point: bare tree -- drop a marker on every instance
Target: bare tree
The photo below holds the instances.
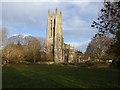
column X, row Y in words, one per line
column 98, row 46
column 13, row 53
column 34, row 47
column 3, row 36
column 21, row 48
column 18, row 39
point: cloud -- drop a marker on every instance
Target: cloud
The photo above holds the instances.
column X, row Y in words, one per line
column 52, row 1
column 31, row 17
column 18, row 13
column 80, row 45
column 77, row 27
column 21, row 12
column 14, row 34
column 24, row 35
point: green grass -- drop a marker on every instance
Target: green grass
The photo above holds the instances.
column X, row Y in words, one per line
column 44, row 76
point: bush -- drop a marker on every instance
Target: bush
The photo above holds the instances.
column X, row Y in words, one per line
column 115, row 64
column 24, row 62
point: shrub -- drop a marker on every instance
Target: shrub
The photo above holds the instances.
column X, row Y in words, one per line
column 115, row 64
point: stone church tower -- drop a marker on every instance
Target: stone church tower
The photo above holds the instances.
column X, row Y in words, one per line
column 54, row 39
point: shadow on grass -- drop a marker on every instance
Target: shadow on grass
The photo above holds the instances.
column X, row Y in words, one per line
column 35, row 76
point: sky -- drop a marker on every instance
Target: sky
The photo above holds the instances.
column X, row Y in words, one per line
column 30, row 18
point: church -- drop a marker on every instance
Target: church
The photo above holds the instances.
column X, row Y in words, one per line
column 55, row 46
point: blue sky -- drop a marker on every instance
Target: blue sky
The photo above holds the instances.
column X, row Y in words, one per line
column 30, row 18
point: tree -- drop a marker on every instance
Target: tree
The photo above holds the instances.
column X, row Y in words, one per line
column 98, row 46
column 13, row 53
column 3, row 40
column 34, row 47
column 18, row 39
column 3, row 36
column 78, row 52
column 109, row 18
column 109, row 22
column 115, row 47
column 21, row 48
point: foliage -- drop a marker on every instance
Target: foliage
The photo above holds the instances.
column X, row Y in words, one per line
column 21, row 48
column 108, row 22
column 78, row 52
column 49, row 56
column 109, row 19
column 115, row 64
column 13, row 53
column 117, row 45
column 34, row 47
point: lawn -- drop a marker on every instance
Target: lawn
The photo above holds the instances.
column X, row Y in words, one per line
column 56, row 76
